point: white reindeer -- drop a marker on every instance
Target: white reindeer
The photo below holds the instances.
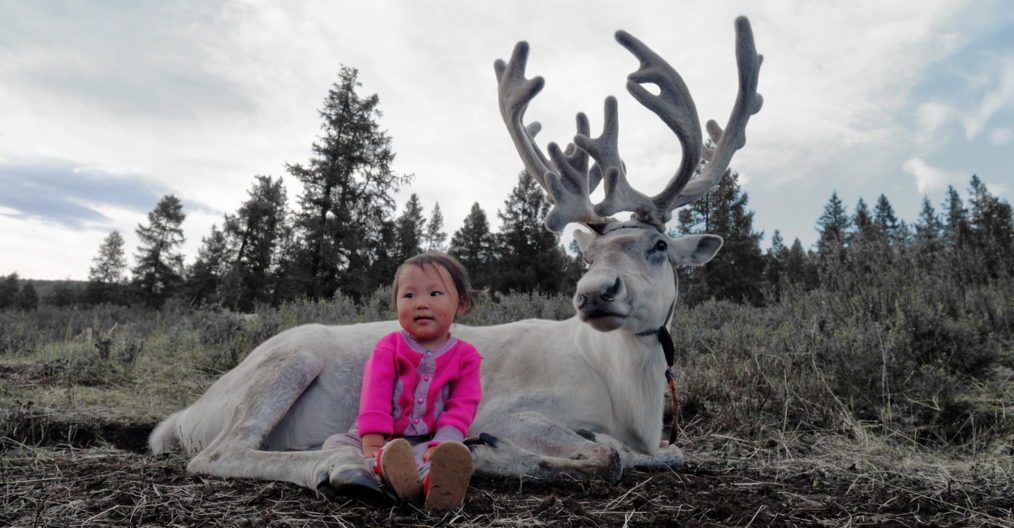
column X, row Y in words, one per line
column 581, row 397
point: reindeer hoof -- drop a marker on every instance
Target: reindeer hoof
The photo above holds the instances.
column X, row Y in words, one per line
column 673, row 457
column 614, row 470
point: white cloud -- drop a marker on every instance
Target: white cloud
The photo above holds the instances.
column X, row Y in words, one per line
column 835, row 79
column 1001, row 136
column 932, row 117
column 999, row 95
column 927, row 177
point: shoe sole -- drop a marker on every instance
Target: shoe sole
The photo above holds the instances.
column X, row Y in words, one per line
column 397, row 464
column 450, row 472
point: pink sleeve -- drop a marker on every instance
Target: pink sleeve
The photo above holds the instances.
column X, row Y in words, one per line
column 462, row 403
column 378, row 388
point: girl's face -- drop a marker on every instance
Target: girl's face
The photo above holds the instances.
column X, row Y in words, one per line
column 427, row 303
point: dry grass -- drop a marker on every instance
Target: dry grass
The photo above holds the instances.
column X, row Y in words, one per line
column 728, row 482
column 773, row 431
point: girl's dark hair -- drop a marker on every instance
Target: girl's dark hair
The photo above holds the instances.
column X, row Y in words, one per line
column 466, row 295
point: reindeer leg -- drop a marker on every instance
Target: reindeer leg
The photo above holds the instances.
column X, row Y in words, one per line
column 236, row 451
column 529, row 444
column 669, row 457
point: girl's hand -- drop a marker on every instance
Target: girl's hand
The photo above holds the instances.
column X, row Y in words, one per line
column 428, row 454
column 372, row 442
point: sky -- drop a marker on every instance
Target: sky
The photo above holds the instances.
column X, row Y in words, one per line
column 106, row 106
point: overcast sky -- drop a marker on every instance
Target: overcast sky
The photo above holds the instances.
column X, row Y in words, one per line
column 107, row 106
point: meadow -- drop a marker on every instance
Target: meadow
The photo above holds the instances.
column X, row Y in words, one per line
column 886, row 406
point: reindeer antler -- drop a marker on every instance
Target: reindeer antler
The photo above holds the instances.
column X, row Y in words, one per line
column 566, row 177
column 748, row 103
column 567, row 180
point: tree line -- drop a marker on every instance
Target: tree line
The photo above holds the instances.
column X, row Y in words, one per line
column 343, row 237
column 969, row 242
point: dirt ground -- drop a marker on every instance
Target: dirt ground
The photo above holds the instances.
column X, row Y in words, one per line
column 73, row 471
column 117, row 485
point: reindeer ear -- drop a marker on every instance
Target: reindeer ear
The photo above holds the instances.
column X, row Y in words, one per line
column 584, row 240
column 694, row 250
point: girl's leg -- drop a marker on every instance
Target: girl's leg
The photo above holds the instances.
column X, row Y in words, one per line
column 450, row 471
column 419, row 448
column 343, row 439
column 395, row 464
column 396, row 467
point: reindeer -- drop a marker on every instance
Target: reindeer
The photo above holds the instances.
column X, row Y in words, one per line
column 581, row 397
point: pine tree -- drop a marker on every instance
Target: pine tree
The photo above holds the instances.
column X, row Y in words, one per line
column 107, row 275
column 869, row 251
column 530, row 257
column 110, row 263
column 928, row 228
column 774, row 263
column 8, row 290
column 799, row 268
column 435, row 235
column 159, row 262
column 862, row 222
column 253, row 234
column 347, row 195
column 883, row 215
column 956, row 225
column 738, row 272
column 64, row 293
column 288, row 276
column 472, row 245
column 833, row 226
column 991, row 230
column 207, row 274
column 411, row 230
column 27, row 299
column 385, row 255
column 696, row 217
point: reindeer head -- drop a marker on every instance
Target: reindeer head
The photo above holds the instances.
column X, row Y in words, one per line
column 628, row 284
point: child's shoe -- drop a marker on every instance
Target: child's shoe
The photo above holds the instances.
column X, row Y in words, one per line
column 447, row 482
column 396, row 468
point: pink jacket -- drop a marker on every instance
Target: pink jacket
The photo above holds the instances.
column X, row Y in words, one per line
column 411, row 391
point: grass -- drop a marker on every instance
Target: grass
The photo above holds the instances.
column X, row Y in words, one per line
column 890, row 404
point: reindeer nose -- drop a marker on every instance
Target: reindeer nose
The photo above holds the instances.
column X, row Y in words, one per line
column 604, row 295
column 608, row 295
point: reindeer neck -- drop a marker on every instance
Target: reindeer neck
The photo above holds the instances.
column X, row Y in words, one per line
column 635, row 375
column 639, row 356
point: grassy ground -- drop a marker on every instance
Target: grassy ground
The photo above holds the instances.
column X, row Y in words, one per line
column 793, row 416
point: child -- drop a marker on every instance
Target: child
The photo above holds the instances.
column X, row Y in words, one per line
column 421, row 388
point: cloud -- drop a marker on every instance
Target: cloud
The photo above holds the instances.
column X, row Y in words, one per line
column 975, row 93
column 1001, row 136
column 927, row 177
column 114, row 57
column 197, row 98
column 72, row 197
column 998, row 96
column 932, row 117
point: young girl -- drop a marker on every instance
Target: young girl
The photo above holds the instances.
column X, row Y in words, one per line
column 421, row 388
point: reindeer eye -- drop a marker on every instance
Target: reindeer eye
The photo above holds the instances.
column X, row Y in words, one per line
column 660, row 246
